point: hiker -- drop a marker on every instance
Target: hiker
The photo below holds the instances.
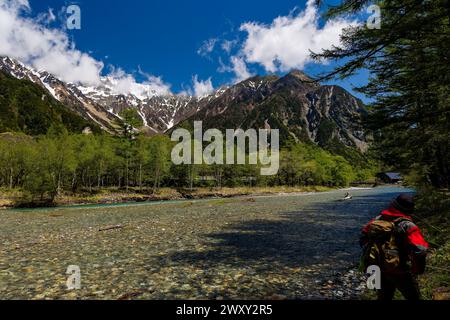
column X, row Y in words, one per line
column 394, row 243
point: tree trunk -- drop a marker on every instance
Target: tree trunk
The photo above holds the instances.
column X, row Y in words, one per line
column 191, row 177
column 155, row 183
column 99, row 179
column 11, row 173
column 74, row 179
column 58, row 188
column 140, row 177
column 126, row 176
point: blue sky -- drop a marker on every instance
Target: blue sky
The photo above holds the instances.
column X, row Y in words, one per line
column 163, row 37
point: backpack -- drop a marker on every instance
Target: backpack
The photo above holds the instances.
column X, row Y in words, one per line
column 382, row 248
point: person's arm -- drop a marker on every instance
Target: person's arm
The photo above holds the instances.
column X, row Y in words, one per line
column 417, row 245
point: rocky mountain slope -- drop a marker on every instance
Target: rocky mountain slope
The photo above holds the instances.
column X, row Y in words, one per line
column 102, row 105
column 301, row 109
column 27, row 107
column 158, row 112
column 67, row 94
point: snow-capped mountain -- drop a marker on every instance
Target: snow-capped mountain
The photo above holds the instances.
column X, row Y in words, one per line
column 300, row 108
column 68, row 94
column 159, row 112
column 103, row 105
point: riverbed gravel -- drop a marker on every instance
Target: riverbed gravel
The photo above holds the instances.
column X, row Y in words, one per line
column 274, row 247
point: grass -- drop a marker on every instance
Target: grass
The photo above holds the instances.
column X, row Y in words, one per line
column 436, row 282
column 434, row 219
column 7, row 196
column 435, row 223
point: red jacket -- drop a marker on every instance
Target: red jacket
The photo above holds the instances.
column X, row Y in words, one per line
column 413, row 241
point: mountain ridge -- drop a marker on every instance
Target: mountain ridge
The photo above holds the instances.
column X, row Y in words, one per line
column 29, row 108
column 302, row 109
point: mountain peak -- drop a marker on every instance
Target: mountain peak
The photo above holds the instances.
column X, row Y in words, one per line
column 302, row 76
column 294, row 102
column 302, row 109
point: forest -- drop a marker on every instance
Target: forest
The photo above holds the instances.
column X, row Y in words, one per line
column 46, row 166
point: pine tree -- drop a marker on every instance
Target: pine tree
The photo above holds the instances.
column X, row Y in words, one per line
column 408, row 60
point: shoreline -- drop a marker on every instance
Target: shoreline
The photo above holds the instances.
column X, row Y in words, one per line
column 109, row 197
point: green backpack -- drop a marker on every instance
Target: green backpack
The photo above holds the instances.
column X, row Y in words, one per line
column 382, row 248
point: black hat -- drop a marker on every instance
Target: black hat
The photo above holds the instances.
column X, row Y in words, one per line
column 404, row 203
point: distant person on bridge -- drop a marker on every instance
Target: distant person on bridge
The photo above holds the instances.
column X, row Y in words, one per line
column 394, row 243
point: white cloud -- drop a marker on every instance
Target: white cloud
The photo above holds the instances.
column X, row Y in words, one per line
column 286, row 43
column 46, row 17
column 34, row 43
column 238, row 67
column 16, row 4
column 207, row 47
column 123, row 83
column 202, row 88
column 223, row 67
column 228, row 45
column 43, row 48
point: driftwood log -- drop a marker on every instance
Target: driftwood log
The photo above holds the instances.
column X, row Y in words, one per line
column 111, row 228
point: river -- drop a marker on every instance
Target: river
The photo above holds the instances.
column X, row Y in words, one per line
column 270, row 247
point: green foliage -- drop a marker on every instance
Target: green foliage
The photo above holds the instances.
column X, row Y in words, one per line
column 433, row 216
column 46, row 166
column 410, row 76
column 433, row 212
column 132, row 117
column 305, row 164
column 409, row 118
column 26, row 107
column 15, row 159
column 325, row 132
